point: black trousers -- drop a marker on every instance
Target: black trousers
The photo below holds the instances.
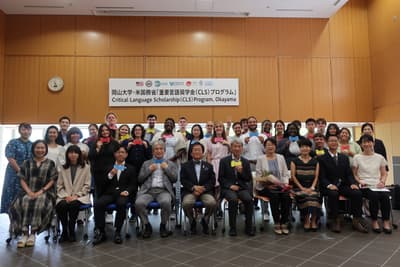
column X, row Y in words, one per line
column 354, row 195
column 100, row 208
column 377, row 199
column 280, row 203
column 68, row 213
column 232, row 198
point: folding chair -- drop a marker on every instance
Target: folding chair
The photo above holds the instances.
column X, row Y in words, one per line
column 198, row 205
column 139, row 225
column 112, row 207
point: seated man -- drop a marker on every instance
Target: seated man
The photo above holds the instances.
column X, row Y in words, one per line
column 198, row 180
column 120, row 184
column 235, row 177
column 336, row 178
column 156, row 178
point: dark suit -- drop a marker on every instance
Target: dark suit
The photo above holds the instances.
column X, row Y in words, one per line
column 228, row 176
column 113, row 187
column 60, row 139
column 189, row 180
column 340, row 175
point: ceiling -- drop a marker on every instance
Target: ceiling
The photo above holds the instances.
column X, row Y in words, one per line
column 187, row 8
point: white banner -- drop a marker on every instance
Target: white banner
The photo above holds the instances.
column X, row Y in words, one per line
column 173, row 92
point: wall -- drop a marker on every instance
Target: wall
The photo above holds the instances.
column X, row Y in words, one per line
column 2, row 48
column 288, row 68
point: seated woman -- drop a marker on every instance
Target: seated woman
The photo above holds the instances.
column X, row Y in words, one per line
column 275, row 189
column 305, row 170
column 369, row 170
column 33, row 207
column 73, row 186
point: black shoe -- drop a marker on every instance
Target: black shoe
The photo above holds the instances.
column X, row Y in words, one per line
column 376, row 230
column 148, row 230
column 193, row 227
column 232, row 232
column 387, row 230
column 250, row 231
column 204, row 224
column 72, row 237
column 219, row 214
column 163, row 230
column 64, row 237
column 360, row 225
column 117, row 238
column 99, row 237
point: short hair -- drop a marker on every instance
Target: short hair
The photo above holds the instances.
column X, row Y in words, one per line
column 297, row 123
column 236, row 141
column 72, row 131
column 367, row 124
column 111, row 113
column 321, row 120
column 77, row 150
column 329, row 136
column 310, row 120
column 34, row 144
column 64, row 118
column 158, row 143
column 25, row 125
column 251, row 117
column 272, row 140
column 279, row 121
column 201, row 130
column 236, row 123
column 118, row 146
column 46, row 136
column 345, row 129
column 197, row 144
column 242, row 121
column 366, row 138
column 170, row 119
column 316, row 135
column 94, row 125
column 182, row 118
column 304, row 142
column 152, row 116
column 286, row 134
column 133, row 130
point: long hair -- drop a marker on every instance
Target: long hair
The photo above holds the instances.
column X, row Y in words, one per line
column 46, row 136
column 214, row 132
column 77, row 150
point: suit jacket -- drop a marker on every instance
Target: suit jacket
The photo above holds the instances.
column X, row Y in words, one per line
column 80, row 187
column 170, row 176
column 228, row 177
column 189, row 178
column 127, row 182
column 60, row 140
column 330, row 173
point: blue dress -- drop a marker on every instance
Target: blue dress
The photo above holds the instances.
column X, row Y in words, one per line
column 20, row 151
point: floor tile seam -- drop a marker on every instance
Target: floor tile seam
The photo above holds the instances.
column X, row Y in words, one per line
column 391, row 256
column 358, row 252
column 322, row 251
column 30, row 258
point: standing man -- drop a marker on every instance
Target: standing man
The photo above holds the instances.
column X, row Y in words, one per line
column 198, row 180
column 321, row 125
column 336, row 178
column 62, row 134
column 182, row 128
column 234, row 178
column 151, row 128
column 310, row 125
column 209, row 129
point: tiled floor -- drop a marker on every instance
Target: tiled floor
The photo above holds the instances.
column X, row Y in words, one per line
column 265, row 249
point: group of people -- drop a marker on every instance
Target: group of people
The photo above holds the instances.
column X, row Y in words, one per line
column 139, row 165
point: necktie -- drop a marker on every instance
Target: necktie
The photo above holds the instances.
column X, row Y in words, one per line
column 293, row 138
column 235, row 163
column 336, row 159
column 196, row 162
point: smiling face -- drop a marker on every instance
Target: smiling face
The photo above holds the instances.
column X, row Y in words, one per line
column 151, row 122
column 25, row 133
column 279, row 127
column 368, row 130
column 344, row 135
column 39, row 151
column 64, row 125
column 169, row 126
column 270, row 147
column 93, row 131
column 104, row 132
column 75, row 137
column 367, row 146
column 111, row 119
column 197, row 152
column 158, row 151
column 120, row 155
column 123, row 130
column 138, row 131
column 196, row 132
column 52, row 134
column 237, row 129
column 73, row 157
column 252, row 124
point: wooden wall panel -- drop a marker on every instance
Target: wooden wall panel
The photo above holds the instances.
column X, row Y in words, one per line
column 2, row 59
column 261, row 36
column 320, row 41
column 322, row 88
column 294, row 37
column 23, row 35
column 127, row 67
column 344, row 98
column 161, row 67
column 93, row 36
column 341, row 33
column 58, row 35
column 363, row 89
column 194, row 36
column 161, row 36
column 195, row 67
column 229, row 37
column 231, row 67
column 51, row 106
column 127, row 36
column 262, row 88
column 91, row 97
column 21, row 89
column 295, row 85
column 359, row 21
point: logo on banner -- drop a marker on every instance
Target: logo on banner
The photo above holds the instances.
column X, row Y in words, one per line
column 139, row 83
column 208, row 83
column 149, row 83
column 157, row 83
column 188, row 83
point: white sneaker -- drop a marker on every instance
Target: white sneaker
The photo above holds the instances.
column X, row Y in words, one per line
column 109, row 218
column 30, row 242
column 266, row 217
column 22, row 241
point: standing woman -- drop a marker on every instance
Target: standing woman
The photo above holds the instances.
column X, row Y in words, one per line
column 101, row 156
column 93, row 132
column 288, row 146
column 347, row 146
column 123, row 133
column 56, row 152
column 305, row 171
column 74, row 135
column 279, row 130
column 17, row 150
column 369, row 170
column 73, row 186
column 266, row 126
column 33, row 208
column 332, row 129
column 139, row 150
column 197, row 137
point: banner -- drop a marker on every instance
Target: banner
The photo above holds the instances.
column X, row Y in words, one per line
column 173, row 92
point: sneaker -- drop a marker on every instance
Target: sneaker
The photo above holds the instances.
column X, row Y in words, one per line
column 266, row 217
column 109, row 219
column 22, row 241
column 30, row 242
